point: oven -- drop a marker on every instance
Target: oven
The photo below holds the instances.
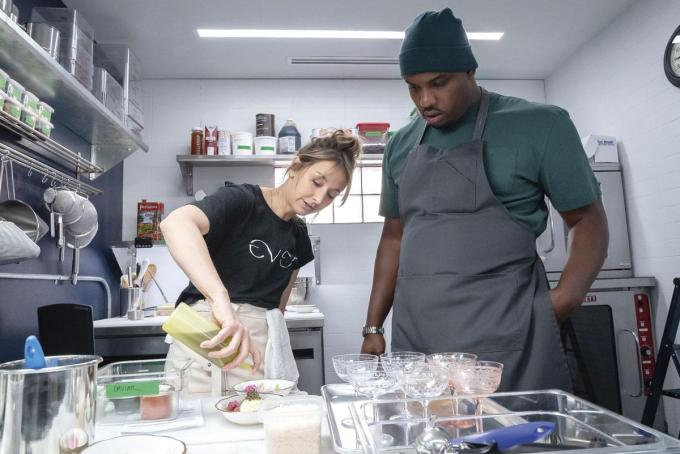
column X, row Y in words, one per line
column 552, row 245
column 609, row 344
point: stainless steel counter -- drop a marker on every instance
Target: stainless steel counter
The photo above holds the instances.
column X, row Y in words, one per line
column 120, row 339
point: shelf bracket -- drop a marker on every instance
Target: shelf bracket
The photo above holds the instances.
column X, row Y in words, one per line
column 188, row 177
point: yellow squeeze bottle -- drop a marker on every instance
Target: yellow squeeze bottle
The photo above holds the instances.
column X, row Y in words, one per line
column 190, row 328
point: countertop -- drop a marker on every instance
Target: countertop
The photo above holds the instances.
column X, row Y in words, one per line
column 293, row 320
column 217, row 435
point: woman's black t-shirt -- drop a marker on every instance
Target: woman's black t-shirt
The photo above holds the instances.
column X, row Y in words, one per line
column 254, row 251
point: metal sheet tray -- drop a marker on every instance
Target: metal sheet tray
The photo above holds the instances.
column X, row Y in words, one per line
column 338, row 399
column 580, row 425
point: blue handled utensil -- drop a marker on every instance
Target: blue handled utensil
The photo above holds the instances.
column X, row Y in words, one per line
column 34, row 358
column 507, row 437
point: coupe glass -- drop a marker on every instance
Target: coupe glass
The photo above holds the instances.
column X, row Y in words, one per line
column 425, row 383
column 452, row 361
column 342, row 362
column 398, row 364
column 482, row 378
column 373, row 382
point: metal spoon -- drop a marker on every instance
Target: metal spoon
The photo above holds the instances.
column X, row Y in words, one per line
column 433, row 439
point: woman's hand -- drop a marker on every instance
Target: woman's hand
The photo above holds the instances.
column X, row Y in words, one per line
column 232, row 326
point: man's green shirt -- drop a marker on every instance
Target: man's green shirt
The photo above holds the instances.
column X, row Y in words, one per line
column 530, row 150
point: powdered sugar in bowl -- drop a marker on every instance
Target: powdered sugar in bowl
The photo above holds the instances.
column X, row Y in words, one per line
column 292, row 424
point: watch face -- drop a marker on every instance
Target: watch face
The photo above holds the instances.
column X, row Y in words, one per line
column 675, row 57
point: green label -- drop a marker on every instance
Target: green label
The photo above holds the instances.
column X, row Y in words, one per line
column 243, row 147
column 267, row 148
column 374, row 134
column 132, row 389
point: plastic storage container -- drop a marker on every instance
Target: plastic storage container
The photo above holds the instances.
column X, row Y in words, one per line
column 137, row 391
column 190, row 328
column 15, row 90
column 265, row 145
column 47, row 36
column 289, row 138
column 126, row 68
column 30, row 101
column 12, row 107
column 242, row 143
column 109, row 92
column 44, row 126
column 29, row 117
column 6, row 7
column 292, row 424
column 76, row 47
column 4, row 78
column 373, row 137
column 45, row 111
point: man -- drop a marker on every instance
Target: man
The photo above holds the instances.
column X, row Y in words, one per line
column 463, row 201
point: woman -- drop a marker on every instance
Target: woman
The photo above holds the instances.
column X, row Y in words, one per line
column 242, row 248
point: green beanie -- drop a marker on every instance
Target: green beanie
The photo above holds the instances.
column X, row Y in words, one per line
column 436, row 42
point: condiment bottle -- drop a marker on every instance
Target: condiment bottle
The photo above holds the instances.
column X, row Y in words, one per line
column 289, row 138
column 197, row 140
column 187, row 326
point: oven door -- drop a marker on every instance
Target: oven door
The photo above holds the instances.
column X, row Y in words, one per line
column 603, row 352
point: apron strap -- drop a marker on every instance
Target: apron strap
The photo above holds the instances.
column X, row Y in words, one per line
column 481, row 115
column 422, row 133
column 479, row 124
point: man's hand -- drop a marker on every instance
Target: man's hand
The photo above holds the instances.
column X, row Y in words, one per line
column 374, row 344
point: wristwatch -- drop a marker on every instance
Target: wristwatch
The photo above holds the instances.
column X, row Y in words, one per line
column 372, row 330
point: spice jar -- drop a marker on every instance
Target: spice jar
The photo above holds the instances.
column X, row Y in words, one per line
column 197, row 140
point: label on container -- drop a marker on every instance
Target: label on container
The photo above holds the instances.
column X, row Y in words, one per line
column 132, row 389
column 374, row 134
column 287, row 145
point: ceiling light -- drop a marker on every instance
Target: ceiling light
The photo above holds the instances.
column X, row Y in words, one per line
column 323, row 34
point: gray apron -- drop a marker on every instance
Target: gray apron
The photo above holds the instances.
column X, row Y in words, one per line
column 469, row 277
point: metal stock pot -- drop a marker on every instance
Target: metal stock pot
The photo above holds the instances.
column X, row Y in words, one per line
column 43, row 410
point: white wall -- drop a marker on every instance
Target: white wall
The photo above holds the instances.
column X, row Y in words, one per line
column 173, row 107
column 616, row 86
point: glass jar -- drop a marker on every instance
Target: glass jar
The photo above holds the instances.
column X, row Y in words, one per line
column 197, row 141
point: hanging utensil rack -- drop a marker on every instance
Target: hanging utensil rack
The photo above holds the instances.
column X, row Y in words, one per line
column 77, row 162
column 48, row 172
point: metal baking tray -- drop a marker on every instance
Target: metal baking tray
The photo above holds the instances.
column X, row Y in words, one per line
column 579, row 425
column 338, row 398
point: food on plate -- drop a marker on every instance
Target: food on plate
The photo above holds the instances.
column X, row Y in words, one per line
column 251, row 403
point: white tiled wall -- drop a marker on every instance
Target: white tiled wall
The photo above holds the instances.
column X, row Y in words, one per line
column 616, row 86
column 173, row 107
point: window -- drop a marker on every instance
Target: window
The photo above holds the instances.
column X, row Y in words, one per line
column 361, row 205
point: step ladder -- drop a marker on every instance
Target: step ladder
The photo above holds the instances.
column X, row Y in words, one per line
column 667, row 350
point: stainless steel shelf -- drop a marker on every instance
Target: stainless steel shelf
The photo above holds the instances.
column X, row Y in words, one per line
column 71, row 159
column 188, row 162
column 75, row 107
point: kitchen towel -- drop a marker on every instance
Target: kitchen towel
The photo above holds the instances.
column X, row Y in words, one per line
column 279, row 360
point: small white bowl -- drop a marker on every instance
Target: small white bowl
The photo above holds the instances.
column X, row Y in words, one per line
column 238, row 417
column 280, row 387
column 149, row 444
